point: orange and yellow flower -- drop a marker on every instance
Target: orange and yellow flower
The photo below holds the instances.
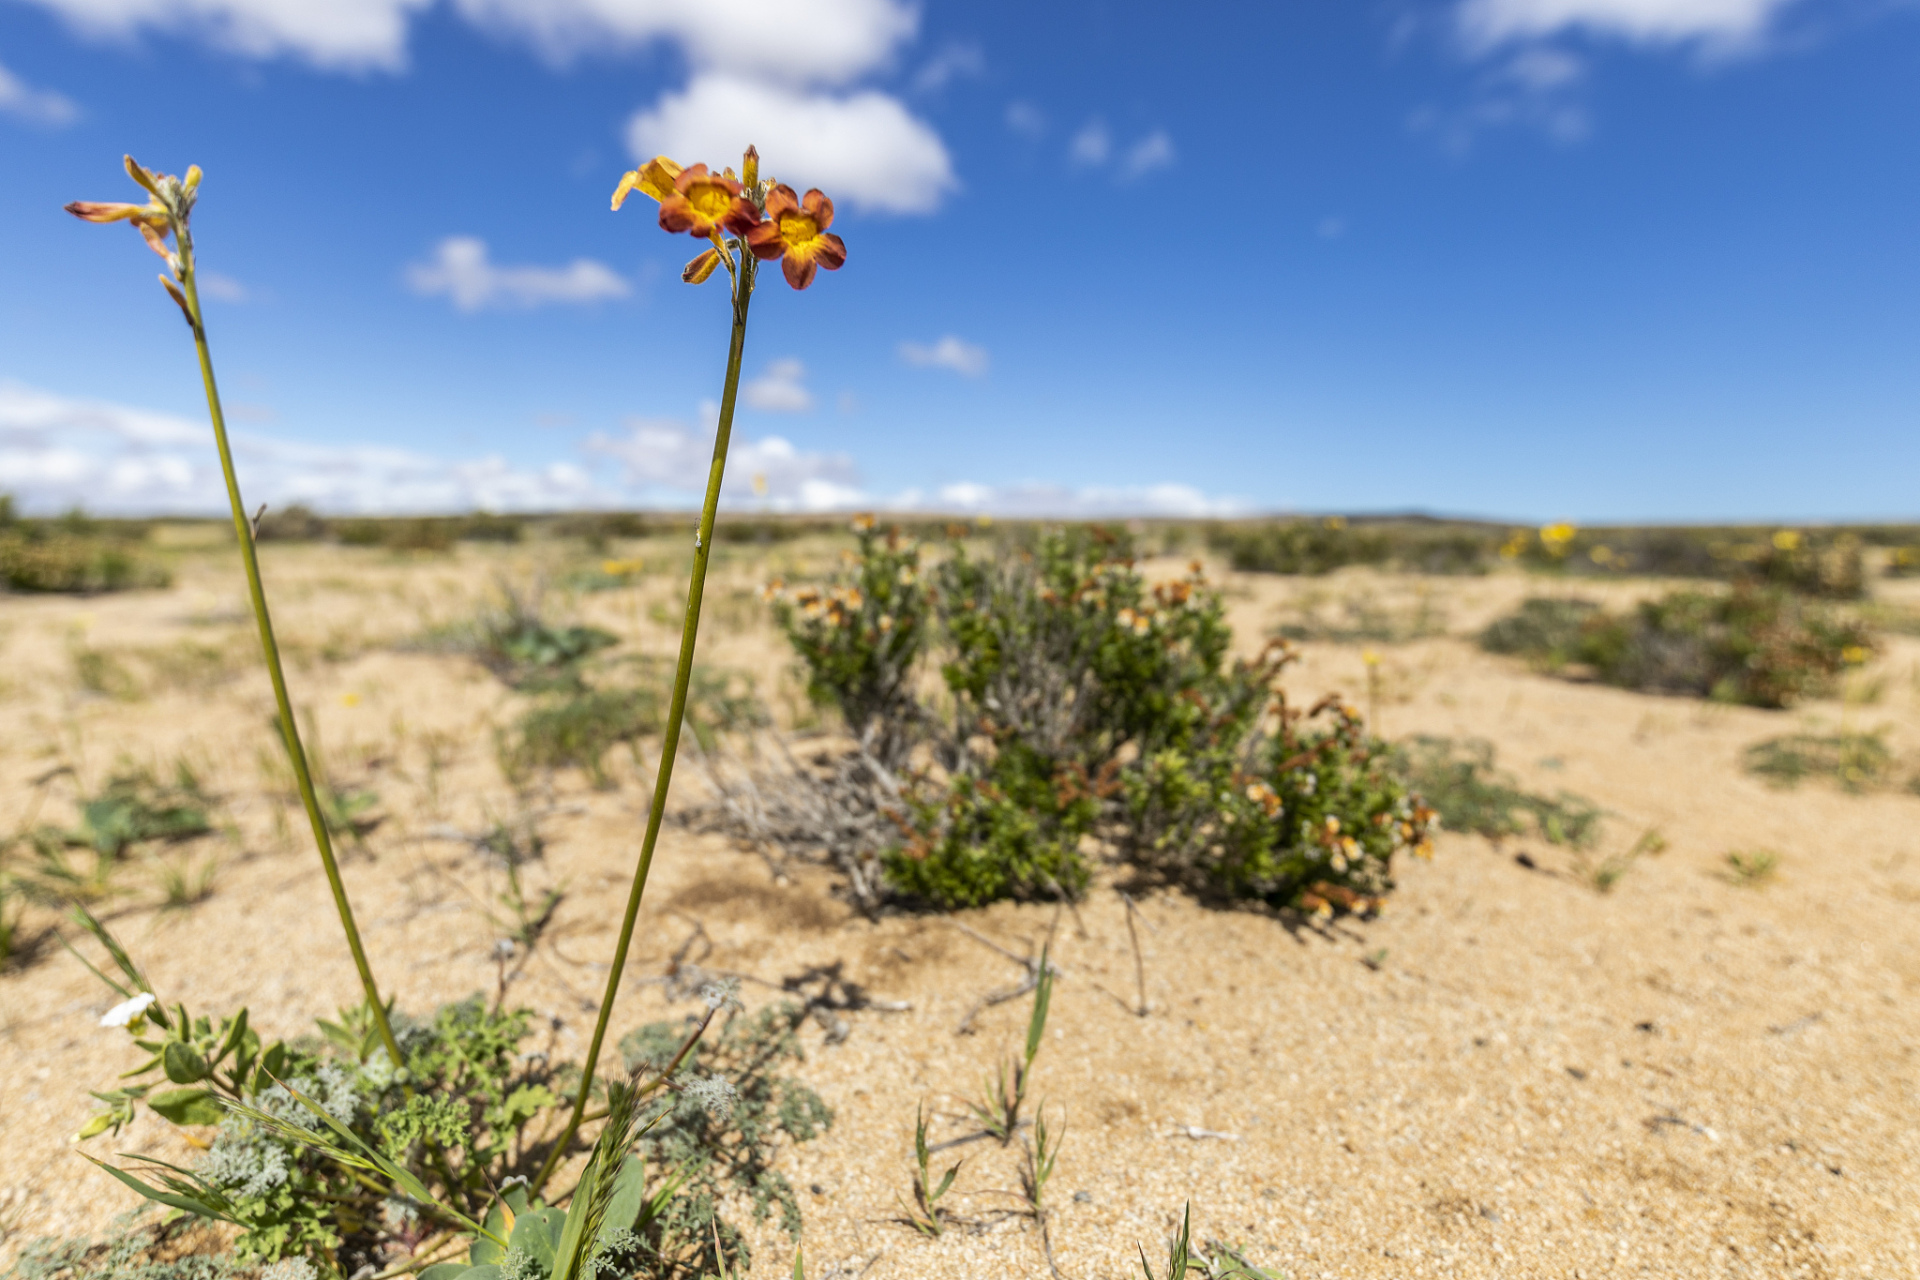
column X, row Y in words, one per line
column 795, row 232
column 704, row 204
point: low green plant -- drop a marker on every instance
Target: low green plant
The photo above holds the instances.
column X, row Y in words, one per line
column 133, row 808
column 1825, row 563
column 1752, row 868
column 1545, row 629
column 1857, row 761
column 1903, row 562
column 519, row 643
column 720, row 1129
column 576, row 729
column 133, row 1246
column 1363, row 617
column 1763, row 647
column 1460, row 781
column 321, row 1145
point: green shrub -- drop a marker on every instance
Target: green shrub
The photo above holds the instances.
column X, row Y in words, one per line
column 38, row 559
column 1903, row 562
column 1310, row 813
column 1824, row 563
column 297, row 523
column 859, row 640
column 1300, row 547
column 1089, row 708
column 1764, row 647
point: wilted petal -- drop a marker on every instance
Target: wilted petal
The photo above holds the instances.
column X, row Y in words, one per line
column 697, row 271
column 156, row 238
column 95, row 211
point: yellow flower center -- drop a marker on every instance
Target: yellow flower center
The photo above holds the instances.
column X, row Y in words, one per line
column 710, row 200
column 798, row 230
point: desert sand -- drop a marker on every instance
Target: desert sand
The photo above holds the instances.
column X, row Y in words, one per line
column 1508, row 1074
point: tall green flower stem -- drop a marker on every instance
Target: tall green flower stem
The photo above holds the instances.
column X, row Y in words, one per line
column 289, row 731
column 683, row 674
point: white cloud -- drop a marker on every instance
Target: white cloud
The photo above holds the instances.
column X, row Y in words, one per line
column 948, row 353
column 39, row 106
column 666, row 460
column 1486, row 23
column 781, row 389
column 950, row 64
column 862, row 147
column 1040, row 501
column 461, row 271
column 1026, row 119
column 223, row 287
column 819, row 41
column 58, row 451
column 1155, row 151
column 1092, row 145
column 346, row 35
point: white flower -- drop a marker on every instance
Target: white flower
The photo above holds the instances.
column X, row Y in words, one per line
column 127, row 1010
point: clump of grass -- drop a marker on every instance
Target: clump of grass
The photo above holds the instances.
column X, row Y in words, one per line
column 1364, row 618
column 576, row 730
column 925, row 1214
column 1857, row 761
column 1752, row 868
column 183, row 886
column 527, row 650
column 1763, row 647
column 1460, row 781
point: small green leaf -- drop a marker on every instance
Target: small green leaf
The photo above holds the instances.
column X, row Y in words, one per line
column 183, row 1063
column 188, row 1106
column 445, row 1271
column 629, row 1198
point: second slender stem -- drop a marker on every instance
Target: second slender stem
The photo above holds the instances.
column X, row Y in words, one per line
column 289, row 731
column 676, row 712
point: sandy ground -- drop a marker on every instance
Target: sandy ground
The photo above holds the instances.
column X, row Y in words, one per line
column 1509, row 1074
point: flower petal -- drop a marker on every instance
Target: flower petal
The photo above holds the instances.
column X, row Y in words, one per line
column 140, row 175
column 830, row 251
column 657, row 177
column 156, row 238
column 765, row 241
column 697, row 271
column 819, row 207
column 628, row 181
column 798, row 270
column 127, row 1010
column 781, row 200
column 741, row 218
column 676, row 215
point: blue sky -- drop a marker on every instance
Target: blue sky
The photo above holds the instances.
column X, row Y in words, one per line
column 1533, row 259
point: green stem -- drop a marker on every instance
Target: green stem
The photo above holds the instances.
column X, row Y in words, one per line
column 289, row 731
column 670, row 745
